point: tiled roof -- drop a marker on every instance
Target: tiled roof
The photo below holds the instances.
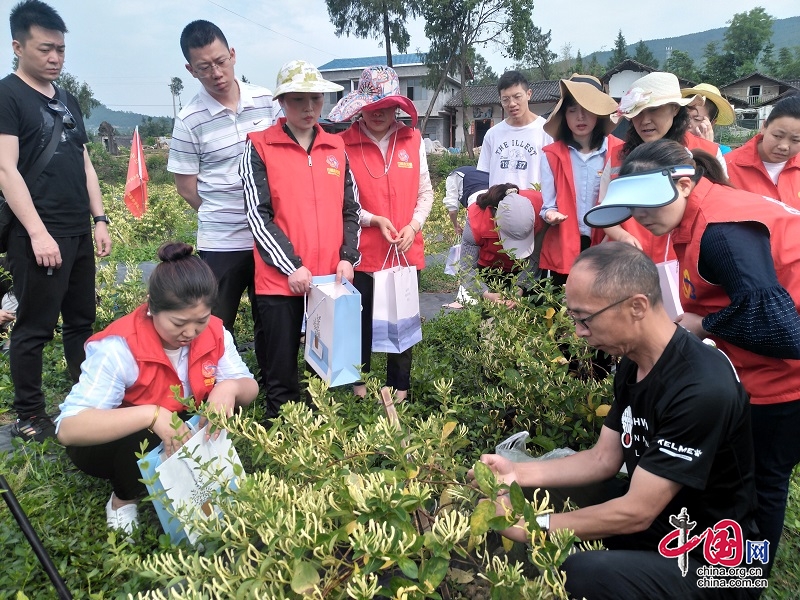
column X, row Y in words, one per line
column 755, row 74
column 340, row 64
column 481, row 95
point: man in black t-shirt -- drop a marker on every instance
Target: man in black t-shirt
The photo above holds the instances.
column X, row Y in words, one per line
column 680, row 423
column 50, row 247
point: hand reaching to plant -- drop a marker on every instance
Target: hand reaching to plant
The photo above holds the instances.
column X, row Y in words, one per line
column 503, row 469
column 173, row 438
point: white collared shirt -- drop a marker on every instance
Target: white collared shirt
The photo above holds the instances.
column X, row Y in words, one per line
column 208, row 140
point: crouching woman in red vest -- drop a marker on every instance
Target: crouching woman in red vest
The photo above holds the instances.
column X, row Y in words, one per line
column 498, row 241
column 123, row 396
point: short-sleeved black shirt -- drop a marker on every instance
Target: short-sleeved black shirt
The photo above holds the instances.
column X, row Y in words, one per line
column 688, row 421
column 60, row 195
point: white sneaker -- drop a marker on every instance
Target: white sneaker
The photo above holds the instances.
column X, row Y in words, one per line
column 125, row 517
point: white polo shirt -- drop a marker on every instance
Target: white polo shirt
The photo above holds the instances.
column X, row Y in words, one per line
column 208, row 141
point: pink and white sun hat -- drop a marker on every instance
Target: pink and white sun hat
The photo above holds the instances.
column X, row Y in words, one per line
column 379, row 87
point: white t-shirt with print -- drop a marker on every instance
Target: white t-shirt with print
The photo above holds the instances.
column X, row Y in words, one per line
column 512, row 154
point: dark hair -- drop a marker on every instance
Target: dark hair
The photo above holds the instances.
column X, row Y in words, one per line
column 788, row 107
column 180, row 280
column 33, row 12
column 199, row 34
column 565, row 133
column 668, row 153
column 510, row 79
column 711, row 109
column 621, row 270
column 491, row 197
column 680, row 125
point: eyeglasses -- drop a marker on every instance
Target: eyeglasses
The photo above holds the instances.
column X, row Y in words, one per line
column 584, row 322
column 207, row 70
column 516, row 98
column 58, row 106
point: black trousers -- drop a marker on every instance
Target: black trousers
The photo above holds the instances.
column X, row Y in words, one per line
column 116, row 462
column 281, row 320
column 235, row 272
column 68, row 291
column 398, row 366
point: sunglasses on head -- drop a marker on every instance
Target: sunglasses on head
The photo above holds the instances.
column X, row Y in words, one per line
column 59, row 107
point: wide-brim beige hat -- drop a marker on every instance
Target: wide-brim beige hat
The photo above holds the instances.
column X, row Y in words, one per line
column 302, row 76
column 725, row 114
column 653, row 90
column 588, row 93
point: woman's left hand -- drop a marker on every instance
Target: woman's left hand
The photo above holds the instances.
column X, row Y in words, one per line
column 221, row 400
column 692, row 323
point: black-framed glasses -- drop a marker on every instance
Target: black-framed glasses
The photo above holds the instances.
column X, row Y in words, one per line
column 59, row 107
column 207, row 69
column 584, row 322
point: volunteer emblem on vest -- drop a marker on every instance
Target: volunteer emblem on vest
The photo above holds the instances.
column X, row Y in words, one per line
column 403, row 160
column 688, row 286
column 333, row 165
column 209, row 371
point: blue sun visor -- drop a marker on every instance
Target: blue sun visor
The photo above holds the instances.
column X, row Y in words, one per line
column 647, row 189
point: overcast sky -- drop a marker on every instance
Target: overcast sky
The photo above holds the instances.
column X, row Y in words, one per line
column 128, row 50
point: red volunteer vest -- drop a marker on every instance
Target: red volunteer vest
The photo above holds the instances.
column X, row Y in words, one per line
column 657, row 247
column 767, row 380
column 747, row 172
column 393, row 195
column 156, row 373
column 307, row 197
column 484, row 230
column 562, row 243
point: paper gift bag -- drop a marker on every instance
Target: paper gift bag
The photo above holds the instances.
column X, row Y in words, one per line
column 452, row 265
column 181, row 486
column 333, row 330
column 668, row 277
column 396, row 325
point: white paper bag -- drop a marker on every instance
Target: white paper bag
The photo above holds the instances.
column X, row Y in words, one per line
column 396, row 324
column 669, row 279
column 182, row 484
column 452, row 265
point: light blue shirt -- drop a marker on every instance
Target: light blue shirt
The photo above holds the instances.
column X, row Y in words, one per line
column 586, row 171
column 110, row 369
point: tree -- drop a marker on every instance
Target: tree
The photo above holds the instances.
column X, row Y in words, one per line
column 375, row 19
column 155, row 127
column 620, row 51
column 482, row 72
column 719, row 68
column 747, row 36
column 681, row 65
column 645, row 56
column 788, row 64
column 81, row 91
column 244, row 79
column 176, row 87
column 579, row 63
column 594, row 67
column 455, row 27
column 538, row 56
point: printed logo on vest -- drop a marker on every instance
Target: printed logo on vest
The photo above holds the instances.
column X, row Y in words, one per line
column 688, row 286
column 209, row 372
column 333, row 165
column 404, row 162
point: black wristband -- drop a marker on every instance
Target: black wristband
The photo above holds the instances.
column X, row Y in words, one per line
column 100, row 218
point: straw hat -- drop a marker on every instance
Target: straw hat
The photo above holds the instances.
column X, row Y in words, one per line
column 302, row 76
column 725, row 114
column 653, row 90
column 588, row 93
column 379, row 87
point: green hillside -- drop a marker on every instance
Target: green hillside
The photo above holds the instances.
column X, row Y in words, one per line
column 785, row 33
column 123, row 121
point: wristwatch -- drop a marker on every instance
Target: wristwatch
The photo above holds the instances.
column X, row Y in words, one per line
column 544, row 522
column 99, row 218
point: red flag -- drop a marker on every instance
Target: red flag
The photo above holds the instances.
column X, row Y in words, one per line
column 136, row 184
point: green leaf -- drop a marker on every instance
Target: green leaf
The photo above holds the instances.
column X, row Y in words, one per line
column 304, row 577
column 517, row 498
column 485, row 478
column 448, row 429
column 408, row 567
column 433, row 571
column 481, row 516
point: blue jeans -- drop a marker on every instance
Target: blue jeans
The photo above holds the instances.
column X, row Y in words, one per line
column 777, row 450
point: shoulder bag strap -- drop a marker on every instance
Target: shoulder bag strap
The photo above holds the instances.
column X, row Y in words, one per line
column 50, row 150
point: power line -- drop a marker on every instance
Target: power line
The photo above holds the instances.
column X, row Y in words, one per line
column 272, row 30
